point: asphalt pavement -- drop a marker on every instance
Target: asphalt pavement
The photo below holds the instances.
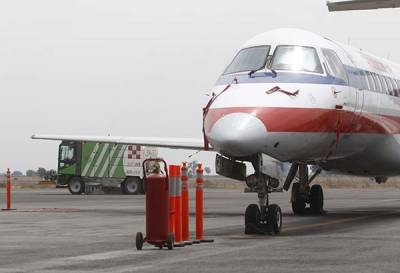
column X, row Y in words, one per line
column 53, row 231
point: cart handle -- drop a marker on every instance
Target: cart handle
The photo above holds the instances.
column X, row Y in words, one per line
column 156, row 160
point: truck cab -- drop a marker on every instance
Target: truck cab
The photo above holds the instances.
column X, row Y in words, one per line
column 67, row 171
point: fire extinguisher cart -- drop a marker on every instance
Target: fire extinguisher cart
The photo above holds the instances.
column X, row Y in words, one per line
column 155, row 183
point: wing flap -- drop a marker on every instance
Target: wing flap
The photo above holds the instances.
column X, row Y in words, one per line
column 162, row 142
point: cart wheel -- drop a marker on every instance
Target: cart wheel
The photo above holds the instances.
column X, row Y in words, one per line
column 160, row 247
column 139, row 241
column 170, row 241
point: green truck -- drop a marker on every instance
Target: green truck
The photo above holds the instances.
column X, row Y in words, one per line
column 111, row 165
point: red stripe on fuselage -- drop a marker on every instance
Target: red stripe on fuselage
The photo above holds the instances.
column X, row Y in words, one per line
column 312, row 120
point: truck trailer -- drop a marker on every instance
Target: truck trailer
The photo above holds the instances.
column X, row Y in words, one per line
column 111, row 165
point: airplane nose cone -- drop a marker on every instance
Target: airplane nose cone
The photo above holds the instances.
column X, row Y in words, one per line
column 238, row 134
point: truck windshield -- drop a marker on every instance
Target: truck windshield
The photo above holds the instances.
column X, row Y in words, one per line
column 296, row 58
column 66, row 153
column 249, row 59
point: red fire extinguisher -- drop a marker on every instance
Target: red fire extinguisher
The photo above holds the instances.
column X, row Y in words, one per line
column 155, row 183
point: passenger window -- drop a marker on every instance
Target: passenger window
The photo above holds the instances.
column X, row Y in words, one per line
column 296, row 58
column 384, row 85
column 378, row 84
column 396, row 87
column 334, row 64
column 371, row 82
column 390, row 86
column 364, row 81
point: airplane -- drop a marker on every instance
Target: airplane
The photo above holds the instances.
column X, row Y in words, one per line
column 300, row 99
column 362, row 5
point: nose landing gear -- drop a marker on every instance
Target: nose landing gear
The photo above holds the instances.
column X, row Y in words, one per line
column 263, row 218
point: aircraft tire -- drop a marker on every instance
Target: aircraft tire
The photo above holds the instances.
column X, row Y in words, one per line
column 298, row 203
column 252, row 218
column 274, row 218
column 316, row 199
column 76, row 186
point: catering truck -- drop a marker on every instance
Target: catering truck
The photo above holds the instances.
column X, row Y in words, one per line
column 110, row 165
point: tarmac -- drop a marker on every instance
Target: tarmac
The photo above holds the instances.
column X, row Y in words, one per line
column 53, row 231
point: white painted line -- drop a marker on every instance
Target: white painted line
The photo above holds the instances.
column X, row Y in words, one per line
column 104, row 255
column 41, row 266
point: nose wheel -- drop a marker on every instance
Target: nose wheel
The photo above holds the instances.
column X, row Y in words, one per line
column 274, row 218
column 254, row 224
column 262, row 218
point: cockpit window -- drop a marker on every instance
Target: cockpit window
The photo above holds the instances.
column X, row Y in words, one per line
column 296, row 58
column 248, row 59
column 334, row 65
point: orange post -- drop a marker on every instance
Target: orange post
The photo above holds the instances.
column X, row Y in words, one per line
column 199, row 203
column 185, row 203
column 175, row 222
column 171, row 221
column 8, row 186
column 178, row 207
column 199, row 207
column 8, row 189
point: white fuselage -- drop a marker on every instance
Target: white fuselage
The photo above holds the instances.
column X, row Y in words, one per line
column 342, row 113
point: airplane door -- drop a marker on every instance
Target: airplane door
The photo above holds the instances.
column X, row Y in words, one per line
column 348, row 97
column 358, row 95
column 358, row 87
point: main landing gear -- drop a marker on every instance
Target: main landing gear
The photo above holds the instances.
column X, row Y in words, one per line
column 263, row 218
column 302, row 194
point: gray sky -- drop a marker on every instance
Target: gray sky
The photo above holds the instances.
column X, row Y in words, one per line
column 139, row 68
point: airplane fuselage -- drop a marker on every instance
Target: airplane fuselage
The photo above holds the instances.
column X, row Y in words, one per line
column 314, row 101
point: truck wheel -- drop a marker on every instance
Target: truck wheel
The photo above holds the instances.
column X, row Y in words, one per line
column 132, row 185
column 76, row 186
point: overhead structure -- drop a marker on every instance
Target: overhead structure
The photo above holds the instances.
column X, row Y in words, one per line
column 362, row 5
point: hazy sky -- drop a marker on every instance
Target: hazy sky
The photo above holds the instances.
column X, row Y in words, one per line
column 139, row 68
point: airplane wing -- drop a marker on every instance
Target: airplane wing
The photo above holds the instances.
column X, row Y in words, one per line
column 362, row 5
column 174, row 143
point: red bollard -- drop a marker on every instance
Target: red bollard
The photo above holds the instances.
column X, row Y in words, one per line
column 8, row 190
column 185, row 204
column 171, row 220
column 199, row 207
column 178, row 207
column 175, row 184
column 199, row 204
